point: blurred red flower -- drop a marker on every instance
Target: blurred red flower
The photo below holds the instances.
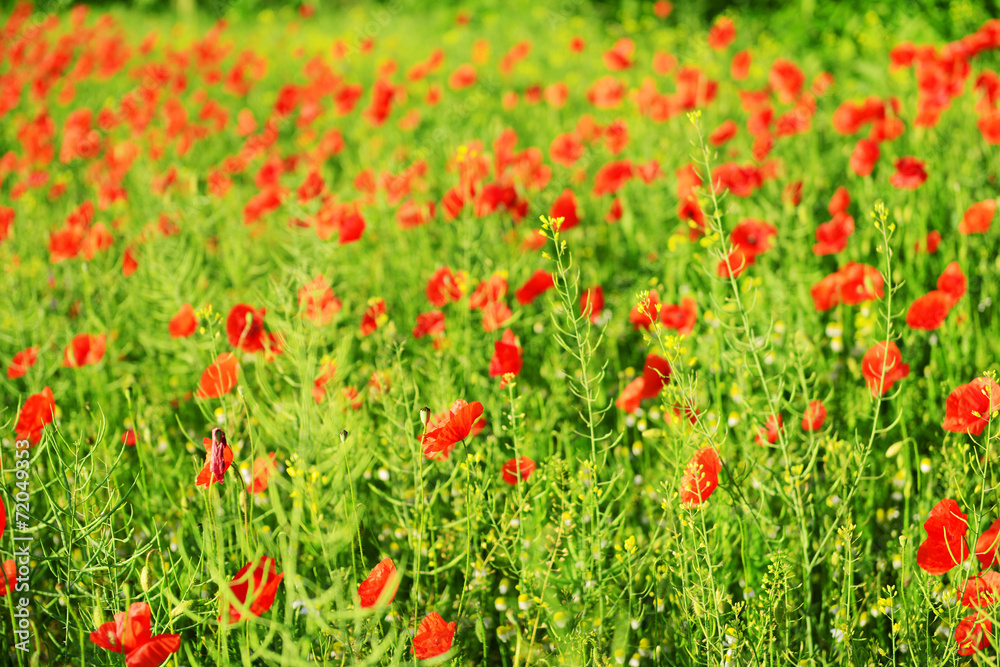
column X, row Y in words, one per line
column 382, row 582
column 814, row 416
column 512, row 467
column 184, row 323
column 36, row 412
column 701, row 477
column 910, row 174
column 84, row 350
column 433, row 637
column 882, row 366
column 506, row 357
column 21, row 362
column 254, row 586
column 220, row 377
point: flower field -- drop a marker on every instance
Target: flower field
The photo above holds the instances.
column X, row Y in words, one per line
column 532, row 336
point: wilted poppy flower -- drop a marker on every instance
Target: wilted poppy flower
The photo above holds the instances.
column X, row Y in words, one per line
column 317, row 301
column 953, row 282
column 506, row 357
column 701, row 477
column 373, row 316
column 245, row 330
column 929, row 311
column 539, row 282
column 21, row 362
column 433, row 637
column 462, row 417
column 814, row 416
column 184, row 323
column 8, row 577
column 722, row 33
column 910, row 174
column 882, row 366
column 969, row 407
column 254, row 588
column 973, row 634
column 217, row 460
column 512, row 467
column 263, row 466
column 978, row 217
column 36, row 412
column 220, row 377
column 945, row 546
column 592, row 302
column 382, row 582
column 130, row 633
column 84, row 350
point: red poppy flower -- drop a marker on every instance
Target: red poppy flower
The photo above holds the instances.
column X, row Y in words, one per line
column 643, row 314
column 978, row 217
column 184, row 323
column 21, row 362
column 655, row 375
column 606, row 93
column 986, row 545
column 910, row 174
column 327, row 373
column 701, row 477
column 792, row 194
column 722, row 33
column 619, row 56
column 832, row 237
column 631, row 397
column 373, row 316
column 969, row 407
column 973, row 634
column 128, row 437
column 433, row 637
column 592, row 302
column 130, row 633
column 814, row 416
column 495, row 314
column 681, row 317
column 662, row 8
column 953, row 282
column 539, row 282
column 220, row 377
column 611, row 177
column 254, row 588
column 263, row 466
column 506, row 357
column 565, row 207
column 36, row 412
column 882, row 366
column 981, row 590
column 769, row 431
column 440, row 441
column 866, row 153
column 8, row 577
column 929, row 311
column 945, row 545
column 317, row 301
column 445, row 287
column 510, row 470
column 566, row 149
column 722, row 134
column 664, row 63
column 217, row 460
column 382, row 582
column 929, row 244
column 786, row 80
column 740, row 66
column 488, row 291
column 430, row 323
column 84, row 350
column 245, row 330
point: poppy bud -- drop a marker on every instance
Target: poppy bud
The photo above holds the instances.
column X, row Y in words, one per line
column 425, row 415
column 344, row 435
